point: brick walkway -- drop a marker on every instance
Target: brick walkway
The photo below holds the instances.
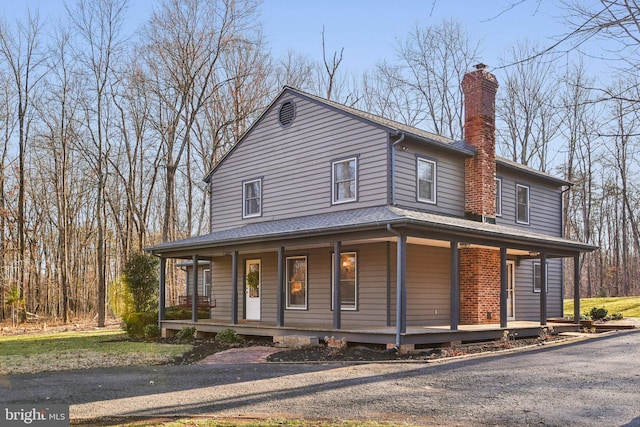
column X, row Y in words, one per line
column 239, row 355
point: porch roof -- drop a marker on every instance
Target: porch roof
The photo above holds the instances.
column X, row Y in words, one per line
column 331, row 226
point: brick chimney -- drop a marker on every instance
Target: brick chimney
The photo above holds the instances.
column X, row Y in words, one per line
column 479, row 88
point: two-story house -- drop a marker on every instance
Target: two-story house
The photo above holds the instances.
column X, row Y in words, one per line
column 329, row 221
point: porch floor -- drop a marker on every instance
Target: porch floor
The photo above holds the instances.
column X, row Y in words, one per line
column 415, row 335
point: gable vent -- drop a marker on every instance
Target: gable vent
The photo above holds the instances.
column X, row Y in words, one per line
column 287, row 113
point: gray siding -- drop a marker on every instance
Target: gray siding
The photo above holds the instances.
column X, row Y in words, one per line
column 221, row 284
column 295, row 165
column 527, row 302
column 545, row 204
column 449, row 180
column 428, row 281
column 428, row 285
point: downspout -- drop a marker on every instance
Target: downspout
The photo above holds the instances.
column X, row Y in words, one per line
column 393, row 170
column 399, row 291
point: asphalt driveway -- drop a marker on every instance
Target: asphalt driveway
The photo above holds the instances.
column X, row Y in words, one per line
column 589, row 383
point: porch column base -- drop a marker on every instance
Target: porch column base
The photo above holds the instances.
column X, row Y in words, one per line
column 168, row 333
column 404, row 348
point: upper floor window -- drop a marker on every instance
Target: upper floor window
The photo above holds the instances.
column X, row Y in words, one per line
column 426, row 175
column 297, row 282
column 537, row 277
column 252, row 198
column 522, row 204
column 348, row 280
column 344, row 179
column 498, row 196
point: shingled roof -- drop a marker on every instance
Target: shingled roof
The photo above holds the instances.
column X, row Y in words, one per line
column 374, row 218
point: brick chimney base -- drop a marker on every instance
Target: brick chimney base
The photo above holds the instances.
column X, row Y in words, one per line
column 479, row 286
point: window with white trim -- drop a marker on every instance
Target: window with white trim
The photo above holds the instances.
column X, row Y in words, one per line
column 348, row 280
column 522, row 204
column 344, row 180
column 537, row 277
column 297, row 282
column 252, row 198
column 206, row 282
column 498, row 196
column 426, row 180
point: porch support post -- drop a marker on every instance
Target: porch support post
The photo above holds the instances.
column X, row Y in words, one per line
column 337, row 304
column 576, row 288
column 401, row 289
column 503, row 287
column 194, row 300
column 454, row 302
column 162, row 294
column 280, row 303
column 543, row 289
column 234, row 288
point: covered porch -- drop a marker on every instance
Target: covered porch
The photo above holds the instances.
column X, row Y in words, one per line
column 396, row 322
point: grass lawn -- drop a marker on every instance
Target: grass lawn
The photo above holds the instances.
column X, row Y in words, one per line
column 627, row 306
column 77, row 350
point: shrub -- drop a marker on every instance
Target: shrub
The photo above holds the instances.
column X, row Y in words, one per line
column 151, row 331
column 617, row 316
column 120, row 298
column 135, row 323
column 598, row 313
column 187, row 333
column 140, row 273
column 226, row 336
column 181, row 313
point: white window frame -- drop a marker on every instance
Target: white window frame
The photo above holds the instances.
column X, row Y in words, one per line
column 334, row 182
column 245, row 214
column 205, row 282
column 528, row 205
column 290, row 282
column 538, row 277
column 498, row 196
column 349, row 307
column 433, row 182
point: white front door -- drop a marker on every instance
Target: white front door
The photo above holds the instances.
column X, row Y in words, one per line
column 511, row 301
column 252, row 288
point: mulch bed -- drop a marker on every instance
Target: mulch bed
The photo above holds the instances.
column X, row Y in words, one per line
column 322, row 353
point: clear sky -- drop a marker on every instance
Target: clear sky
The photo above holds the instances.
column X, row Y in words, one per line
column 366, row 29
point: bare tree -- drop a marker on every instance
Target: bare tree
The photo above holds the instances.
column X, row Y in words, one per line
column 186, row 40
column 617, row 21
column 99, row 27
column 425, row 84
column 137, row 160
column 21, row 51
column 330, row 67
column 528, row 118
column 579, row 128
column 295, row 70
column 6, row 131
